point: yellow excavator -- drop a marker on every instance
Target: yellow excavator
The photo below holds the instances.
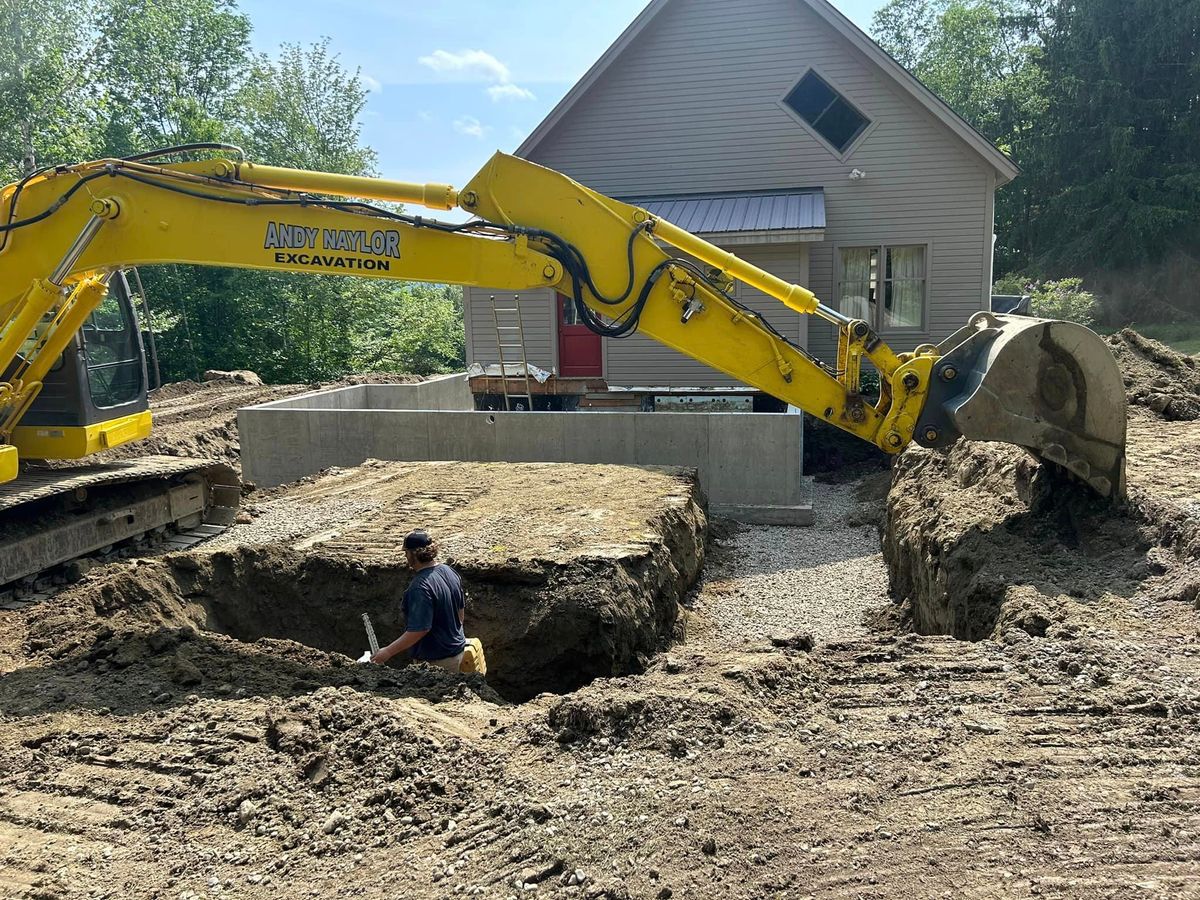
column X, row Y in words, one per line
column 74, row 374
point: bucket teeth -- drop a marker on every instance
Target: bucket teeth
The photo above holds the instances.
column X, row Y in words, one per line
column 1056, row 453
column 1081, row 468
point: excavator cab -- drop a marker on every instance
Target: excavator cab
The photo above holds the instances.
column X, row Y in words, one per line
column 95, row 392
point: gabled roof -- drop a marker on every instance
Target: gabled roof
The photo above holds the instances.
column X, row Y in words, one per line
column 1005, row 167
column 800, row 210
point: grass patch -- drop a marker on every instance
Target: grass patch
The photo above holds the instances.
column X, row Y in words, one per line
column 1181, row 336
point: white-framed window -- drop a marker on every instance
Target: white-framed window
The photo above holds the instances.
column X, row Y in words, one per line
column 885, row 285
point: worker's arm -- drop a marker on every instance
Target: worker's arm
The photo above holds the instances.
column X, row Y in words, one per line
column 405, row 642
column 418, row 611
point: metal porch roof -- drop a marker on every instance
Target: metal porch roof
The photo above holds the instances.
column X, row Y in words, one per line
column 724, row 213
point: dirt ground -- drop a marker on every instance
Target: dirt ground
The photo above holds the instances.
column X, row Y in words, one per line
column 199, row 418
column 1056, row 754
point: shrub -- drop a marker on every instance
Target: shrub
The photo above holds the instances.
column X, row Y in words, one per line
column 1012, row 283
column 1064, row 299
column 1061, row 299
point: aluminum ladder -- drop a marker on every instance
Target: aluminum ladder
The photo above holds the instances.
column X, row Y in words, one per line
column 506, row 333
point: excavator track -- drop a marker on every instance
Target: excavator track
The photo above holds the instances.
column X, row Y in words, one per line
column 53, row 517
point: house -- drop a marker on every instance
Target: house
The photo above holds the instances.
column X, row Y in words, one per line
column 778, row 130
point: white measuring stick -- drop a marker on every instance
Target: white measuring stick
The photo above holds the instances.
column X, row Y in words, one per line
column 371, row 639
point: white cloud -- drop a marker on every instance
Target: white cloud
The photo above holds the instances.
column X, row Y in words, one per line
column 425, row 115
column 469, row 65
column 509, row 91
column 477, row 65
column 470, row 126
column 371, row 84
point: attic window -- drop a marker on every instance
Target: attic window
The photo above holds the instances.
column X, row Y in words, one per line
column 829, row 113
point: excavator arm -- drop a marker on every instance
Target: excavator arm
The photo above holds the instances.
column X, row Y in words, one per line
column 1050, row 386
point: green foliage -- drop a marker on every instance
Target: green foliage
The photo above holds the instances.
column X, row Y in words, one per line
column 50, row 105
column 1014, row 283
column 1062, row 299
column 302, row 110
column 1097, row 103
column 983, row 58
column 417, row 329
column 868, row 382
column 114, row 77
column 1118, row 154
column 974, row 54
column 171, row 69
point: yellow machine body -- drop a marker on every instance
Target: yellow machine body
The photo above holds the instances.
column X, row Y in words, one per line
column 72, row 227
column 76, row 442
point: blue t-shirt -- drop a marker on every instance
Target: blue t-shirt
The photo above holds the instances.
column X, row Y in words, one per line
column 432, row 602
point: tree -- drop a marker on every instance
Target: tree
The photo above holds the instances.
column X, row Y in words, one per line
column 974, row 54
column 303, row 110
column 49, row 97
column 116, row 77
column 172, row 70
column 1118, row 151
column 981, row 57
column 415, row 328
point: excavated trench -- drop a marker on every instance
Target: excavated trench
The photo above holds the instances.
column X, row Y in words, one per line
column 545, row 627
column 550, row 621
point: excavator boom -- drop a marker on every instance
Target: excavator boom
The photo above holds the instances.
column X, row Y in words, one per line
column 1049, row 386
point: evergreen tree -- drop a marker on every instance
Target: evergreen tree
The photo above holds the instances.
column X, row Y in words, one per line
column 1118, row 149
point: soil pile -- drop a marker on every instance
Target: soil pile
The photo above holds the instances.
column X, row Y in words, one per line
column 1158, row 377
column 982, row 539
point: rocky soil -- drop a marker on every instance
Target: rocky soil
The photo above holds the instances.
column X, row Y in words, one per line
column 1054, row 755
column 1158, row 377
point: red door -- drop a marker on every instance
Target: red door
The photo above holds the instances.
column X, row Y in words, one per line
column 578, row 347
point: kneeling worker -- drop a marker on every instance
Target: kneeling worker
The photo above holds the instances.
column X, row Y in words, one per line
column 434, row 608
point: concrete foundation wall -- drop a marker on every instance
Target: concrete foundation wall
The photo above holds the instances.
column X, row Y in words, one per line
column 444, row 392
column 749, row 464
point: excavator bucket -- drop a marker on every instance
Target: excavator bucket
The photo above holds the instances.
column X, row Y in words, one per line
column 1053, row 387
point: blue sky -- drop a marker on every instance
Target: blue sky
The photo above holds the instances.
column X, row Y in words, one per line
column 454, row 80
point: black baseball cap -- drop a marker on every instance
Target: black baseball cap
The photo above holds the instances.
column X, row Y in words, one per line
column 415, row 540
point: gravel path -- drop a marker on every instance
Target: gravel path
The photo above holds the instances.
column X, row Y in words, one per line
column 769, row 580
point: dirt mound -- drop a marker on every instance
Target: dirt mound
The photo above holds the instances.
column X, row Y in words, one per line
column 241, row 376
column 982, row 538
column 1158, row 377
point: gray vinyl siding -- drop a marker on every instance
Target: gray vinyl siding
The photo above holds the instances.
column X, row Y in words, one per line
column 693, row 105
column 640, row 362
column 538, row 316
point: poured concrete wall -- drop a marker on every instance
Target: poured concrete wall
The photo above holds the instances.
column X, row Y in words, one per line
column 446, row 392
column 748, row 463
